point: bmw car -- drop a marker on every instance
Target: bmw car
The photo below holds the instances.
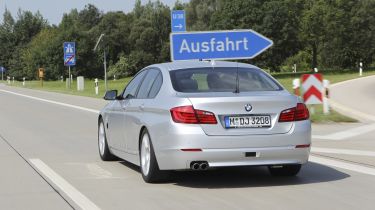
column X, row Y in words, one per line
column 198, row 115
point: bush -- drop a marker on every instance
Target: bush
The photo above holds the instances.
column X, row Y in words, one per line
column 120, row 69
column 302, row 59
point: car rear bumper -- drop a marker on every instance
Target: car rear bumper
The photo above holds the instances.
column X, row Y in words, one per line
column 220, row 151
column 176, row 160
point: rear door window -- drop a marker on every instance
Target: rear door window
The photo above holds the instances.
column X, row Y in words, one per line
column 156, row 86
column 132, row 87
column 222, row 80
column 147, row 83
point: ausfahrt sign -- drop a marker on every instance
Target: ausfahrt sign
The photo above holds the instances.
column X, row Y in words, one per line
column 218, row 45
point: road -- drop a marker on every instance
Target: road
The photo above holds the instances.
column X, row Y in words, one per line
column 49, row 160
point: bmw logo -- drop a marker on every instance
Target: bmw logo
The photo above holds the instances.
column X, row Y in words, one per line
column 248, row 107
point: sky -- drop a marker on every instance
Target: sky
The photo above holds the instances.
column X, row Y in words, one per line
column 53, row 10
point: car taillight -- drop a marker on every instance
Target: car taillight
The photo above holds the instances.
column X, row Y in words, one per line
column 302, row 113
column 298, row 113
column 189, row 115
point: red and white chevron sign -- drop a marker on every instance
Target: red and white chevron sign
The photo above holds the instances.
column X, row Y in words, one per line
column 312, row 88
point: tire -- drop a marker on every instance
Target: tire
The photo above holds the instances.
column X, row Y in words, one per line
column 104, row 152
column 148, row 164
column 285, row 170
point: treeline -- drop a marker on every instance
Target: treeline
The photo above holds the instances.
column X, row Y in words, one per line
column 334, row 34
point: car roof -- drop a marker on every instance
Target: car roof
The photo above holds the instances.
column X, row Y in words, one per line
column 175, row 65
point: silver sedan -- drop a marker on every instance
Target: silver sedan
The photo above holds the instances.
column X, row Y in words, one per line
column 195, row 115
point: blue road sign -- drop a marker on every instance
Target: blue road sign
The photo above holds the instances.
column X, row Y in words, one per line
column 2, row 69
column 69, row 53
column 218, row 45
column 178, row 21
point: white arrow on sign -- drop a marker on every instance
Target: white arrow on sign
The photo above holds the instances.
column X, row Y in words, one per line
column 179, row 26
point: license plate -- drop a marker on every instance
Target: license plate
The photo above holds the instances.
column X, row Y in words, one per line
column 253, row 121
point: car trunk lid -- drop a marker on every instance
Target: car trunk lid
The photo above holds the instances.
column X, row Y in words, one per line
column 230, row 105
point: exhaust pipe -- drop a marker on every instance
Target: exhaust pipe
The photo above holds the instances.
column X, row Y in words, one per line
column 195, row 166
column 203, row 166
column 199, row 165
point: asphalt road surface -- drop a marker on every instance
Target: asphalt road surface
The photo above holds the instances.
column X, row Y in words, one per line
column 49, row 160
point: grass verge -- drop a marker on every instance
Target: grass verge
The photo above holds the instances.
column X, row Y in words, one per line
column 319, row 117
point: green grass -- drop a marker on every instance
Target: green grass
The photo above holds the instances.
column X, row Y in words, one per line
column 319, row 117
column 285, row 79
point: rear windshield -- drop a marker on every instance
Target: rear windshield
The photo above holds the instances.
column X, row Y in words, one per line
column 222, row 80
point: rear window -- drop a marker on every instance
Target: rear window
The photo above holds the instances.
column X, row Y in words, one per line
column 222, row 80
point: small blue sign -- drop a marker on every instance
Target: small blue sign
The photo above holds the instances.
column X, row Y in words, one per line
column 69, row 53
column 218, row 45
column 178, row 21
column 2, row 69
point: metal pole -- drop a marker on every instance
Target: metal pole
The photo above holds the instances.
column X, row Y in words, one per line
column 2, row 75
column 105, row 71
column 70, row 80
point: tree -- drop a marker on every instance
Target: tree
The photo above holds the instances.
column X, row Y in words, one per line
column 7, row 39
column 44, row 51
column 328, row 34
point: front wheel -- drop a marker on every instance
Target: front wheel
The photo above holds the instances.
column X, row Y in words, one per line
column 285, row 170
column 104, row 152
column 149, row 166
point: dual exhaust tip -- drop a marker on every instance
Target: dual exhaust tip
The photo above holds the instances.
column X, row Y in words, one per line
column 199, row 165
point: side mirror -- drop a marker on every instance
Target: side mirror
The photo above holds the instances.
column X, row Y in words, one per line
column 110, row 95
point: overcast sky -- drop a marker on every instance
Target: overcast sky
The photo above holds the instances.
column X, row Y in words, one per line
column 53, row 10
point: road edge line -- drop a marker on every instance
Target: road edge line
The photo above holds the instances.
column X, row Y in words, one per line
column 53, row 102
column 77, row 197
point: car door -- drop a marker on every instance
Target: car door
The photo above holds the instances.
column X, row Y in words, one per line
column 117, row 125
column 136, row 114
column 114, row 123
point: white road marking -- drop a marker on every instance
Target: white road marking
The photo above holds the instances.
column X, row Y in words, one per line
column 342, row 165
column 347, row 133
column 82, row 201
column 343, row 151
column 53, row 102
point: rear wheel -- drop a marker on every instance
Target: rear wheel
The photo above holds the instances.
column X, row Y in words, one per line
column 149, row 166
column 284, row 170
column 104, row 152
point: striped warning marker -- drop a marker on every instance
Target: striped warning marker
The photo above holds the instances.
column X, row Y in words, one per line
column 312, row 88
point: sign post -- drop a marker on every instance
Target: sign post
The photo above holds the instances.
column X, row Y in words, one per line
column 41, row 75
column 69, row 57
column 178, row 21
column 96, row 86
column 326, row 96
column 2, row 69
column 219, row 45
